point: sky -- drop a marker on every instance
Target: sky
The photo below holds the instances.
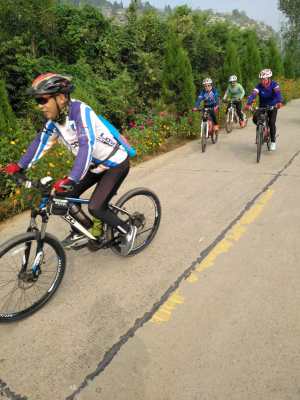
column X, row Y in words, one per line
column 261, row 10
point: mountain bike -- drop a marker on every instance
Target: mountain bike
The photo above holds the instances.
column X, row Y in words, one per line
column 262, row 129
column 32, row 264
column 232, row 117
column 207, row 128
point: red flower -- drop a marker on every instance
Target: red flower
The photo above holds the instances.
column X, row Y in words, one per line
column 132, row 124
column 130, row 111
column 149, row 122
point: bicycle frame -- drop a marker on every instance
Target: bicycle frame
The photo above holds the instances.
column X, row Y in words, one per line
column 231, row 112
column 60, row 206
column 205, row 119
column 263, row 118
column 66, row 201
column 262, row 129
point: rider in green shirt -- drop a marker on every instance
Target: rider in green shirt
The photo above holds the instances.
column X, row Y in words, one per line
column 235, row 92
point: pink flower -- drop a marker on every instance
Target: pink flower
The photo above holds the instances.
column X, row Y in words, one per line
column 149, row 122
column 132, row 124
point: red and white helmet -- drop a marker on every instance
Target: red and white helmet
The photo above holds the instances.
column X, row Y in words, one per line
column 265, row 74
column 207, row 81
column 232, row 78
column 51, row 83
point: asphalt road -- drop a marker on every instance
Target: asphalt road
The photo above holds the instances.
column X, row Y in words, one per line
column 209, row 311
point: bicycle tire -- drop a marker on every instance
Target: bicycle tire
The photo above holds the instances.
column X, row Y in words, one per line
column 17, row 246
column 204, row 127
column 245, row 120
column 268, row 141
column 214, row 137
column 228, row 123
column 259, row 141
column 139, row 219
column 235, row 117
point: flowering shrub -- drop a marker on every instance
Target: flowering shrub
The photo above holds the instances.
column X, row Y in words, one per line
column 148, row 133
column 290, row 88
column 13, row 144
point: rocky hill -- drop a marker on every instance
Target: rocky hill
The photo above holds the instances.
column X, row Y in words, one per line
column 117, row 10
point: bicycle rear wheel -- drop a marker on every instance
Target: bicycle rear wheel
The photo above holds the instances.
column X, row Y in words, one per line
column 214, row 136
column 204, row 129
column 259, row 141
column 21, row 292
column 145, row 213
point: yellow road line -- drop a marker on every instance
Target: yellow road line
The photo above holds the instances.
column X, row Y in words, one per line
column 163, row 314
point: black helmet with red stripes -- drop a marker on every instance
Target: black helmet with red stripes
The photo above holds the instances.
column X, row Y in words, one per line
column 51, row 83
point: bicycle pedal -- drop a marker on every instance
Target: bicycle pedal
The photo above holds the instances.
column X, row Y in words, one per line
column 94, row 245
column 80, row 244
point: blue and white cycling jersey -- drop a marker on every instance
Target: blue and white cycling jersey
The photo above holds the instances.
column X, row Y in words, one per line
column 211, row 98
column 88, row 138
column 268, row 96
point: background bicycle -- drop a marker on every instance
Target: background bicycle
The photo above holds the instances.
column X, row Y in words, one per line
column 207, row 128
column 232, row 117
column 32, row 264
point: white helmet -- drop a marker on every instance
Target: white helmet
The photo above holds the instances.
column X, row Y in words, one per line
column 232, row 78
column 265, row 74
column 207, row 81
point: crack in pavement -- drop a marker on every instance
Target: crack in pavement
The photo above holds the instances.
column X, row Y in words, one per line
column 6, row 391
column 113, row 351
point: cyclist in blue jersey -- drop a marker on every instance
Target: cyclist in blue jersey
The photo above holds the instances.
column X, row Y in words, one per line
column 99, row 158
column 210, row 97
column 269, row 95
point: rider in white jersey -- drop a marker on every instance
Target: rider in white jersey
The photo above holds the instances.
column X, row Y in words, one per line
column 99, row 158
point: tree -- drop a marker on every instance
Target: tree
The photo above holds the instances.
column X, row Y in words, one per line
column 31, row 19
column 291, row 8
column 231, row 62
column 7, row 118
column 274, row 58
column 290, row 63
column 177, row 80
column 251, row 60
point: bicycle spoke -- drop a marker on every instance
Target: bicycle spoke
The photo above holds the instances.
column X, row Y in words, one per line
column 21, row 292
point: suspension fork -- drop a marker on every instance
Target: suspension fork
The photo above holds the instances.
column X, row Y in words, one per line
column 40, row 236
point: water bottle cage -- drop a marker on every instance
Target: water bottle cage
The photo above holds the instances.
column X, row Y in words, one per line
column 59, row 206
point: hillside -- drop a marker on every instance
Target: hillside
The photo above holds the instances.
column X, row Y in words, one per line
column 117, row 10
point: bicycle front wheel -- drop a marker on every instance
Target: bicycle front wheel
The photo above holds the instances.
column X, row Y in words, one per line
column 229, row 122
column 23, row 292
column 214, row 137
column 259, row 141
column 204, row 134
column 144, row 209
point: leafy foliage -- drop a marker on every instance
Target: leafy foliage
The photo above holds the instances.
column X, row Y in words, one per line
column 129, row 71
column 178, row 85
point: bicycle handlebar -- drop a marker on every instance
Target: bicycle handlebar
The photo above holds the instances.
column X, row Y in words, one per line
column 262, row 109
column 265, row 108
column 44, row 184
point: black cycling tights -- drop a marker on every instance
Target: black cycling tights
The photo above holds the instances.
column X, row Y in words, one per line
column 272, row 114
column 108, row 182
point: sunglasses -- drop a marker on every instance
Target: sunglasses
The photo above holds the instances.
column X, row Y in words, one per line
column 42, row 100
